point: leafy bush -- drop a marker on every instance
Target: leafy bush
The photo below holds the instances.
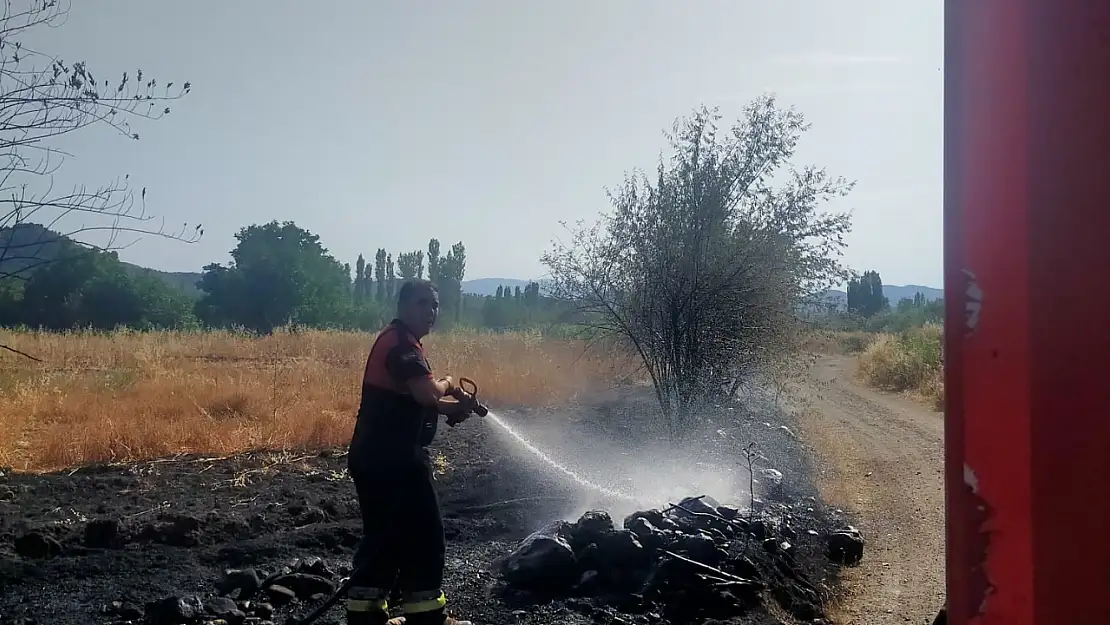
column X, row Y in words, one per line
column 911, row 360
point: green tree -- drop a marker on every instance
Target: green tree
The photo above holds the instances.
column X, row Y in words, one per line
column 934, row 310
column 163, row 306
column 702, row 267
column 532, row 294
column 92, row 289
column 11, row 302
column 865, row 294
column 379, row 273
column 279, row 274
column 410, row 265
column 908, row 313
column 434, row 261
column 451, row 271
column 495, row 312
column 360, row 277
column 55, row 295
column 390, row 278
column 910, row 304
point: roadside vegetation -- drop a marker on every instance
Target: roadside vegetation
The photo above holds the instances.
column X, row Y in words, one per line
column 909, row 361
column 899, row 347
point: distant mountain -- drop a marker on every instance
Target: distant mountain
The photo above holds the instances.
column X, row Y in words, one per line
column 23, row 247
column 488, row 286
column 895, row 293
column 27, row 246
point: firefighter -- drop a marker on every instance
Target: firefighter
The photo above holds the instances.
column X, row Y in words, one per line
column 403, row 542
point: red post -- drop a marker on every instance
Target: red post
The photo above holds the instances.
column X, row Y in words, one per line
column 1027, row 325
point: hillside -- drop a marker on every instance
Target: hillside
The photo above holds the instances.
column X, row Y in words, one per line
column 26, row 246
column 895, row 293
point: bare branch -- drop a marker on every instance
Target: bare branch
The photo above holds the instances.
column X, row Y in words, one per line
column 43, row 97
column 16, row 351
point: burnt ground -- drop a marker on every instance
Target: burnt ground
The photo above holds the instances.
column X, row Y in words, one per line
column 72, row 543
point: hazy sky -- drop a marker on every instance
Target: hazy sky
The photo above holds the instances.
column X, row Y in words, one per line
column 386, row 122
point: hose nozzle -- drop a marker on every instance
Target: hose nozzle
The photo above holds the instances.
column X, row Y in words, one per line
column 468, row 396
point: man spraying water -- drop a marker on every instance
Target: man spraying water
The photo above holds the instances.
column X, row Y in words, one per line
column 403, row 540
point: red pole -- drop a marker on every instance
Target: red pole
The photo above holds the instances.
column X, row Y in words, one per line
column 1027, row 325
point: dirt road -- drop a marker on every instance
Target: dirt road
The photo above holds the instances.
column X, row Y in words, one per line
column 881, row 458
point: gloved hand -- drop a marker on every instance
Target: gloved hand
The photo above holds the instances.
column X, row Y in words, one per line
column 462, row 396
column 466, row 407
column 458, row 417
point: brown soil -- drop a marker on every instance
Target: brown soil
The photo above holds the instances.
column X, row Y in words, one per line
column 881, row 458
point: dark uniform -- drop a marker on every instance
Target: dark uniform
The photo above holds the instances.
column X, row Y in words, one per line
column 403, row 542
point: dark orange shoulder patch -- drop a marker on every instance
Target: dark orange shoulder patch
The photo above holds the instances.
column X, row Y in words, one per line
column 375, row 374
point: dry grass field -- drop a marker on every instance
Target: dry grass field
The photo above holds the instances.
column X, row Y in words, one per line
column 127, row 396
